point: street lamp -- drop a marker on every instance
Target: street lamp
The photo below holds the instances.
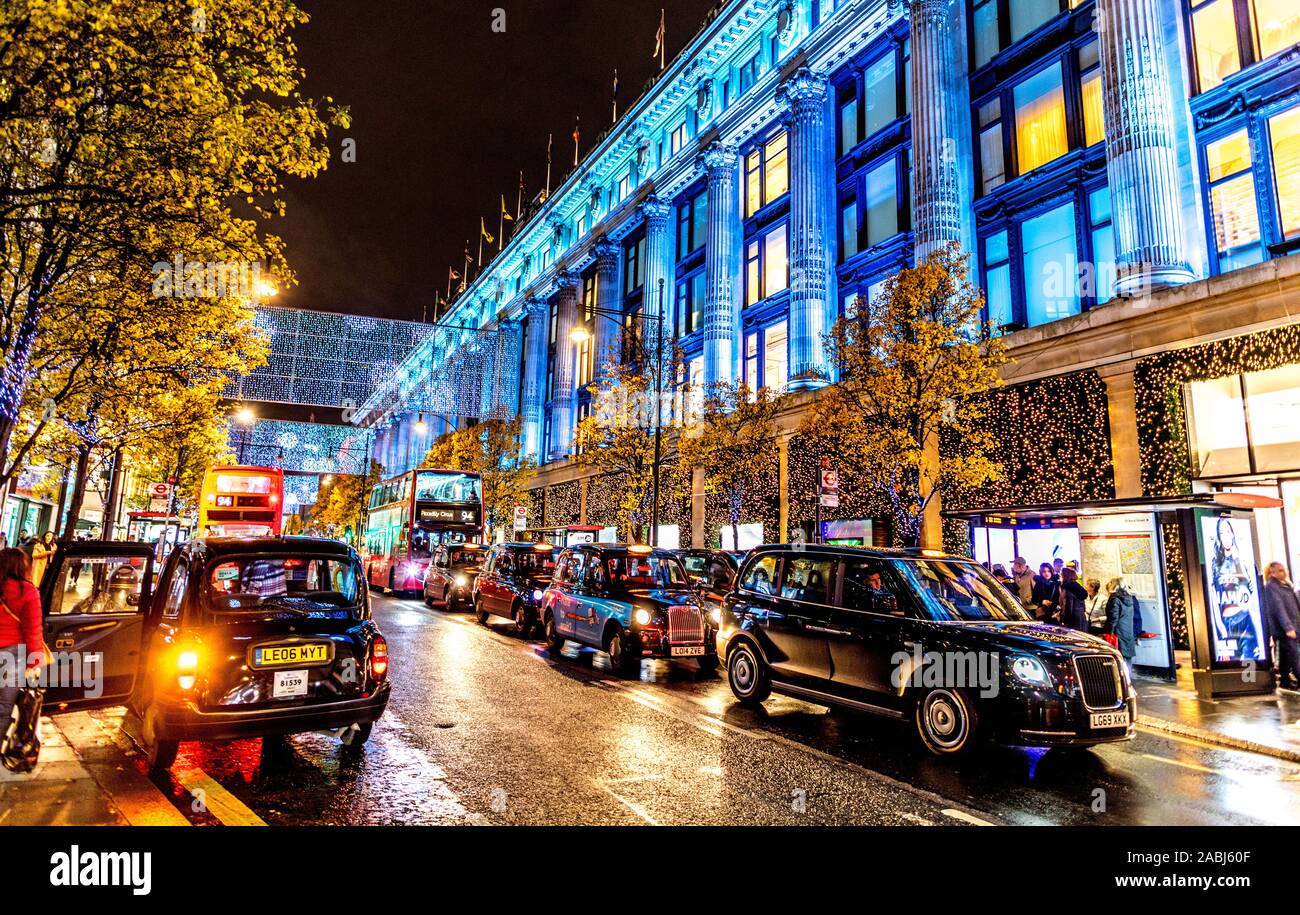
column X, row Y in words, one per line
column 581, row 334
column 245, row 417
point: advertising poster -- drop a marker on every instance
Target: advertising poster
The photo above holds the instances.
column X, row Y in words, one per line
column 1232, row 590
column 1122, row 547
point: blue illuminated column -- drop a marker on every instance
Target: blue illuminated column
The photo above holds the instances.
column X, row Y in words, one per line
column 1141, row 149
column 535, row 378
column 810, row 258
column 563, row 408
column 721, row 264
column 606, row 330
column 660, row 263
column 942, row 179
column 403, row 457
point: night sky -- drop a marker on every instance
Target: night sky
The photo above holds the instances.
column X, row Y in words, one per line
column 445, row 113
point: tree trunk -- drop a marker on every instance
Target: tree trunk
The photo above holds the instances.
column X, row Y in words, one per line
column 109, row 529
column 80, row 473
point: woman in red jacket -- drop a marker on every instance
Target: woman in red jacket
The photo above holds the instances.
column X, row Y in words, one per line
column 20, row 627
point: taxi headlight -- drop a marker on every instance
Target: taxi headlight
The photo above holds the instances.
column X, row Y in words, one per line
column 1030, row 670
column 462, row 580
column 537, row 595
column 716, row 615
column 642, row 617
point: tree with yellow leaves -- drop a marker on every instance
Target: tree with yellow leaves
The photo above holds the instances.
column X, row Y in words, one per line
column 913, row 365
column 345, row 504
column 137, row 137
column 733, row 444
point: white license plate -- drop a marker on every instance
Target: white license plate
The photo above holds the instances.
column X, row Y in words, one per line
column 1108, row 719
column 688, row 651
column 289, row 684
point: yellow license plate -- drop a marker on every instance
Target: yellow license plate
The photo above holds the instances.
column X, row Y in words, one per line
column 284, row 655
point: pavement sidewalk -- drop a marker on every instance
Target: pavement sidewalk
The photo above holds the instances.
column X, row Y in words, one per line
column 1267, row 724
column 85, row 778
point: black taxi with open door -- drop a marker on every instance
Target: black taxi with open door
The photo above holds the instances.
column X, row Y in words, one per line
column 240, row 638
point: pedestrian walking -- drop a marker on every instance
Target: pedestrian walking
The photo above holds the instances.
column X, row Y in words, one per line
column 1282, row 616
column 42, row 553
column 1024, row 579
column 1045, row 596
column 20, row 628
column 1073, row 601
column 1121, row 614
column 1095, row 607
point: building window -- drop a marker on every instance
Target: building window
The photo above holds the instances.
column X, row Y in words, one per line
column 998, row 24
column 634, row 266
column 767, row 173
column 997, row 280
column 848, row 229
column 1102, row 232
column 880, row 90
column 751, row 361
column 678, row 138
column 767, row 266
column 848, row 120
column 748, row 74
column 690, row 303
column 776, row 355
column 692, row 224
column 1284, row 143
column 1228, row 35
column 1040, row 119
column 624, row 187
column 1094, row 129
column 880, row 200
column 1050, row 265
column 581, row 226
column 1232, row 201
column 993, row 172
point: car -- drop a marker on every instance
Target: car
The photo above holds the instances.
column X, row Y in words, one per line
column 631, row 601
column 918, row 635
column 513, row 580
column 712, row 571
column 449, row 581
column 242, row 638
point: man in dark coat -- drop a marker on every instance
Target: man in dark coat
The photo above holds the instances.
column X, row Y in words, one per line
column 1282, row 615
column 1121, row 611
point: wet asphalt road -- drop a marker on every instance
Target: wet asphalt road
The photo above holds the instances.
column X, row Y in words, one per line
column 486, row 728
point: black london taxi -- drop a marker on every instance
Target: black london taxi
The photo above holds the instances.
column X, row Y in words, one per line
column 923, row 636
column 240, row 638
column 513, row 580
column 632, row 601
column 449, row 582
column 712, row 571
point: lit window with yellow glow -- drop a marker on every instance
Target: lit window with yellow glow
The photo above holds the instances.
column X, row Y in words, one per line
column 1040, row 119
column 1284, row 140
column 1232, row 201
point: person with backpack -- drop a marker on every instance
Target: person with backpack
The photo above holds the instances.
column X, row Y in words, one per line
column 20, row 628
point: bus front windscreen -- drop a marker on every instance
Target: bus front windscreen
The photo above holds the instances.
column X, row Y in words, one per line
column 447, row 487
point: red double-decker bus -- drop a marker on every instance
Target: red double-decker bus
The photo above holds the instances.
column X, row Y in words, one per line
column 411, row 515
column 238, row 501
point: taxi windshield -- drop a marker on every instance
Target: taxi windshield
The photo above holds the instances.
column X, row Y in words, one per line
column 632, row 570
column 465, row 559
column 952, row 589
column 321, row 587
column 535, row 560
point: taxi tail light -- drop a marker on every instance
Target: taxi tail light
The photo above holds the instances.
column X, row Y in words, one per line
column 187, row 666
column 379, row 658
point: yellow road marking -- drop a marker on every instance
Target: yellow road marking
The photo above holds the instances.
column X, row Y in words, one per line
column 1179, row 762
column 219, row 802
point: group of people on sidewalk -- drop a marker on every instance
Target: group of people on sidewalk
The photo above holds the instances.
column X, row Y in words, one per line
column 1057, row 595
column 40, row 550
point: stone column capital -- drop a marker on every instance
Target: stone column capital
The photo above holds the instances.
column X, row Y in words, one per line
column 718, row 157
column 607, row 252
column 567, row 282
column 656, row 211
column 537, row 306
column 804, row 92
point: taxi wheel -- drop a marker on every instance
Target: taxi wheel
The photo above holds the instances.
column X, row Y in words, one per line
column 160, row 754
column 523, row 621
column 621, row 657
column 747, row 675
column 480, row 612
column 554, row 641
column 946, row 721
